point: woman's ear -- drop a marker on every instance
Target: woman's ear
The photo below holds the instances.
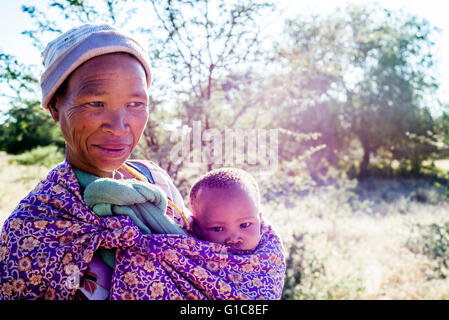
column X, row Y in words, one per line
column 58, row 98
column 54, row 112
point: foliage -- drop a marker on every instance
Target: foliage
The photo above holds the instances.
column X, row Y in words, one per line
column 26, row 124
column 303, row 270
column 47, row 156
column 16, row 76
column 368, row 70
column 432, row 240
column 200, row 51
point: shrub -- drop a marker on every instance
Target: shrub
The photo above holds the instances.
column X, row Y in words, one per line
column 294, row 267
column 432, row 240
column 46, row 156
column 303, row 270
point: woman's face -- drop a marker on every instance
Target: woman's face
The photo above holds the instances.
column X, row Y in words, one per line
column 103, row 112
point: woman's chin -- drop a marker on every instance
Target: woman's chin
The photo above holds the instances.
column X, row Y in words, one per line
column 106, row 168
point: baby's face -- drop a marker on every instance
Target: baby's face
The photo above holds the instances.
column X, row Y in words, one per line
column 227, row 216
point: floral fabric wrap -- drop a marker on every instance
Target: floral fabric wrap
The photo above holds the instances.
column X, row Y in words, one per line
column 49, row 240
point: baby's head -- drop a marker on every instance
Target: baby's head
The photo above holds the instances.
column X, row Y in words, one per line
column 225, row 208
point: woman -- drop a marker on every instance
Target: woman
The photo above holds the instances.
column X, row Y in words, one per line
column 83, row 232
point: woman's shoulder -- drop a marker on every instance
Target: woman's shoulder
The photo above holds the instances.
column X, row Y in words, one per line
column 156, row 171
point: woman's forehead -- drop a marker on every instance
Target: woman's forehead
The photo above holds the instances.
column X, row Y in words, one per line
column 110, row 63
column 90, row 77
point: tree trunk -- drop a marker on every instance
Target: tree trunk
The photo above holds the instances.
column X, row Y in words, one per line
column 365, row 161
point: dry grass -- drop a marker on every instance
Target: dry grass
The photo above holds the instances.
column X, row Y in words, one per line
column 15, row 183
column 361, row 251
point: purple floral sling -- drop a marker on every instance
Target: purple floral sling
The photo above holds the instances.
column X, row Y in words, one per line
column 49, row 240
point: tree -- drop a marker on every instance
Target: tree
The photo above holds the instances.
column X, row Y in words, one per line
column 203, row 43
column 26, row 124
column 372, row 68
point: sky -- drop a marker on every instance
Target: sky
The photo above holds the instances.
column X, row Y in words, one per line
column 14, row 21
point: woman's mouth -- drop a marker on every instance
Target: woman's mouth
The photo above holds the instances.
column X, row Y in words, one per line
column 113, row 150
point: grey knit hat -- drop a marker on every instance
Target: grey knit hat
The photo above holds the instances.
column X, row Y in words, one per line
column 71, row 49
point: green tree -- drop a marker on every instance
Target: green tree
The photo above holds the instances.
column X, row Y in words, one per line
column 26, row 124
column 369, row 70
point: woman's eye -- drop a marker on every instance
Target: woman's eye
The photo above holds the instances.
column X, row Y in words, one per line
column 245, row 225
column 96, row 104
column 137, row 105
column 217, row 229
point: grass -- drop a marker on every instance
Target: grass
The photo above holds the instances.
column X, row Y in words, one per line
column 351, row 241
column 360, row 250
column 16, row 181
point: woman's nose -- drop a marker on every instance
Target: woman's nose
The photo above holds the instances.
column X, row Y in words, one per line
column 116, row 122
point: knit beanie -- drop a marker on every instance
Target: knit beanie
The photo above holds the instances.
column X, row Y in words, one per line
column 71, row 49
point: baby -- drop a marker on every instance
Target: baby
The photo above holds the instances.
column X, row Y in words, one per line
column 225, row 208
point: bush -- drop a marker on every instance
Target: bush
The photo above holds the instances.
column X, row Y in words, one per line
column 27, row 125
column 294, row 267
column 432, row 240
column 47, row 156
column 303, row 269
